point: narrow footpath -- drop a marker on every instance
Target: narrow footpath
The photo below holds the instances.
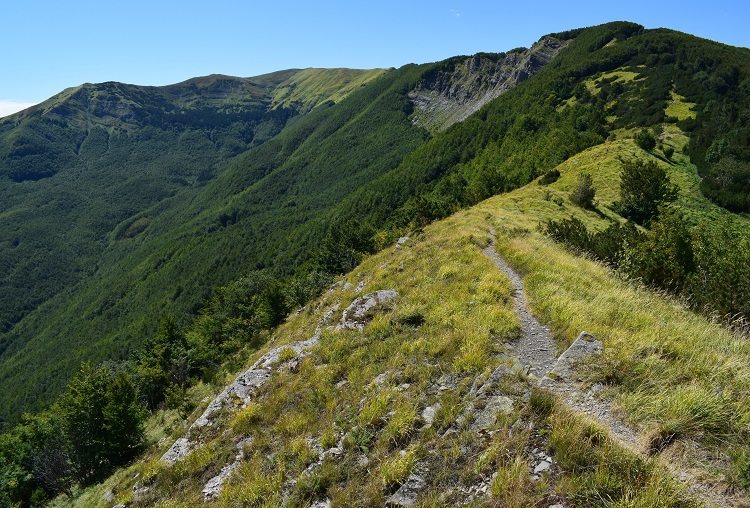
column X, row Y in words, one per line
column 536, row 350
column 535, row 347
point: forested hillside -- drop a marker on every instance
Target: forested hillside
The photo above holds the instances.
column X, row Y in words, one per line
column 266, row 192
column 80, row 170
column 259, row 210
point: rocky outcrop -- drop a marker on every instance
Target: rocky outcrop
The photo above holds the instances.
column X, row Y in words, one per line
column 464, row 85
column 406, row 496
column 215, row 484
column 242, row 389
column 246, row 385
column 585, row 345
column 361, row 310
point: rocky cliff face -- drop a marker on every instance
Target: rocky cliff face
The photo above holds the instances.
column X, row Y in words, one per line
column 465, row 84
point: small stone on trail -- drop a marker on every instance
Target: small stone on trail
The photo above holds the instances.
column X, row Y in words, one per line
column 542, row 466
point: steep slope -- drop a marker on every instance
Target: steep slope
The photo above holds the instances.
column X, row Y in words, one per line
column 262, row 211
column 360, row 171
column 609, row 77
column 115, row 150
column 461, row 86
column 422, row 397
column 77, row 171
column 343, row 405
column 114, row 273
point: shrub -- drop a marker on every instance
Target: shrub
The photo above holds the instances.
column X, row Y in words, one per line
column 644, row 186
column 645, row 140
column 549, row 177
column 664, row 258
column 571, row 231
column 583, row 193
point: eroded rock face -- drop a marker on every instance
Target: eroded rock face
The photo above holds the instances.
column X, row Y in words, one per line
column 452, row 94
column 361, row 310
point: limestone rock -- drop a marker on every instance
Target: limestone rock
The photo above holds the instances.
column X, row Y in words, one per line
column 242, row 387
column 488, row 415
column 541, row 467
column 360, row 311
column 585, row 345
column 428, row 415
column 177, row 451
column 214, row 485
column 406, row 496
column 454, row 93
column 401, row 241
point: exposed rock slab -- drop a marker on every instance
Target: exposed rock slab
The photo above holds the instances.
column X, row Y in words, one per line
column 214, row 485
column 488, row 416
column 178, row 450
column 361, row 310
column 584, row 346
column 428, row 414
column 406, row 496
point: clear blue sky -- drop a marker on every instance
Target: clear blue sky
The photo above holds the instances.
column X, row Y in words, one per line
column 51, row 44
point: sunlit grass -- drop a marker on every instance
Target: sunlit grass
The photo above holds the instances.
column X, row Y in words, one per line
column 365, row 390
column 680, row 109
column 674, row 373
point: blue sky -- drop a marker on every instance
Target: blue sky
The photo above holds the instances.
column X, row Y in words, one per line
column 50, row 45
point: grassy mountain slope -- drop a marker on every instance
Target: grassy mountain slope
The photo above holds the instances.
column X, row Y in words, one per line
column 358, row 418
column 366, row 410
column 203, row 237
column 311, row 87
column 80, row 170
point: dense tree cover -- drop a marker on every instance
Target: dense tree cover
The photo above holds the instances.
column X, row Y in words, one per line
column 106, row 170
column 167, row 259
column 302, row 206
column 96, row 426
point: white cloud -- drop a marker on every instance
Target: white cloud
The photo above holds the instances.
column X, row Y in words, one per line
column 455, row 13
column 10, row 107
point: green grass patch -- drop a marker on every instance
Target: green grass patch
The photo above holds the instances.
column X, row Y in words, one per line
column 680, row 109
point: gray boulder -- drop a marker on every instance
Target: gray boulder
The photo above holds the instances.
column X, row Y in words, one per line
column 488, row 416
column 584, row 346
column 361, row 310
column 406, row 496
